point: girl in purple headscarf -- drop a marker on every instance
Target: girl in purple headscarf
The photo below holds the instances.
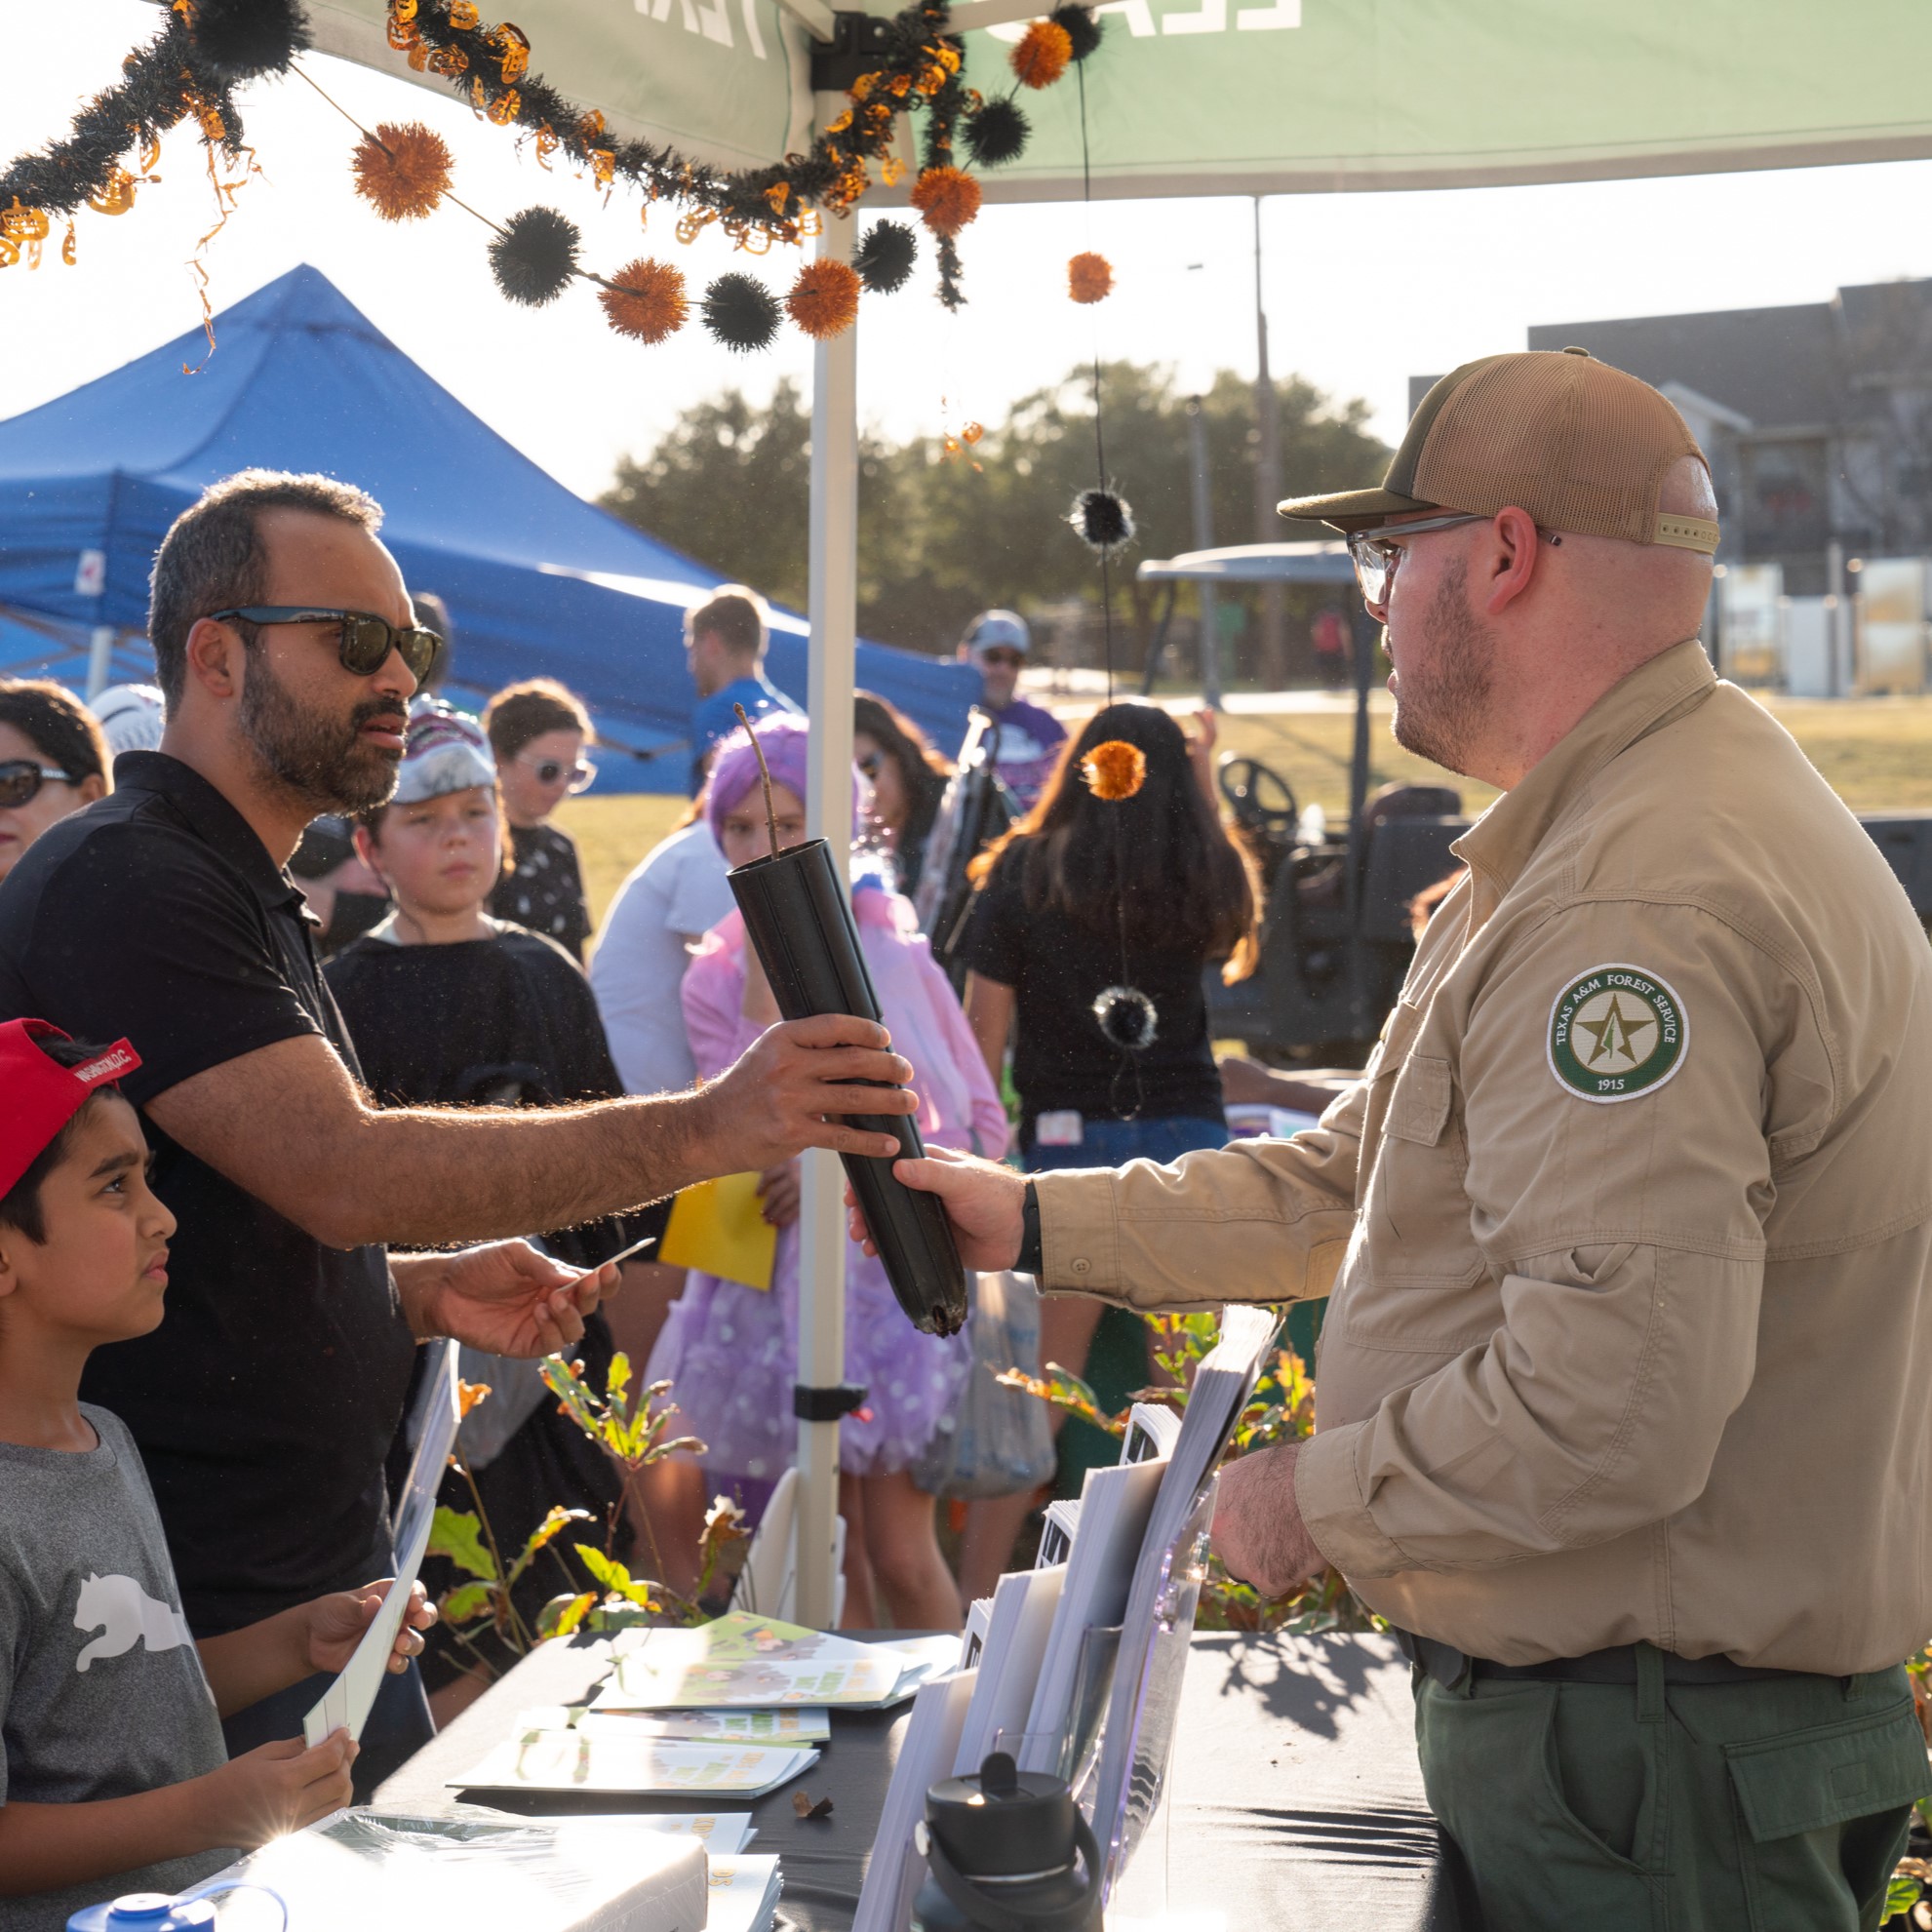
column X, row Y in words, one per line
column 732, row 1350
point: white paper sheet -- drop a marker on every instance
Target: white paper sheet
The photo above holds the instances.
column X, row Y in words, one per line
column 347, row 1704
column 570, row 1760
column 744, row 1894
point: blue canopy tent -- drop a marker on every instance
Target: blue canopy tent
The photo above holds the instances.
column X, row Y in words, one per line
column 537, row 580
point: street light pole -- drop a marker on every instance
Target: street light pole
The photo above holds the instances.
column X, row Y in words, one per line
column 1274, row 652
column 1203, row 539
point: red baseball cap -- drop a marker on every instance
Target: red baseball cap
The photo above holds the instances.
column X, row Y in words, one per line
column 42, row 1097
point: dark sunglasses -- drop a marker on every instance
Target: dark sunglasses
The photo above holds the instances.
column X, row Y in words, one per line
column 21, row 780
column 364, row 642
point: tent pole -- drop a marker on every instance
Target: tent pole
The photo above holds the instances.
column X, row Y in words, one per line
column 834, row 612
column 99, row 659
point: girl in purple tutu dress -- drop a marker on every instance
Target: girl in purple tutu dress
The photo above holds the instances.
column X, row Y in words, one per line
column 732, row 1350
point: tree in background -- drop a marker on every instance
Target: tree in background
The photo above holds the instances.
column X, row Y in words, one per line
column 944, row 533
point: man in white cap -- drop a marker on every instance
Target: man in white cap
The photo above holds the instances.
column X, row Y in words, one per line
column 1030, row 737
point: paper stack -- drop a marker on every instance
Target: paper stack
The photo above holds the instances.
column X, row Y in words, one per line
column 742, row 1660
column 389, row 1874
column 744, row 1894
column 576, row 1761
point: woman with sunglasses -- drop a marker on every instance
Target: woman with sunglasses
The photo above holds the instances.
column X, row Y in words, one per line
column 53, row 760
column 538, row 730
column 908, row 780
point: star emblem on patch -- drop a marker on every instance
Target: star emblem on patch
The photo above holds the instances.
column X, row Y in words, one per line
column 1615, row 1032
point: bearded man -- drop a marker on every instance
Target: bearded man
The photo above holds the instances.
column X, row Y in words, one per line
column 1621, row 1420
column 265, row 1402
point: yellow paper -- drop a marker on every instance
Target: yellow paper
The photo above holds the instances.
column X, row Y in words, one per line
column 720, row 1227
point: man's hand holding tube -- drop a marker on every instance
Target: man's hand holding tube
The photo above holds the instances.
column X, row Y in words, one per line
column 1258, row 1531
column 789, row 1090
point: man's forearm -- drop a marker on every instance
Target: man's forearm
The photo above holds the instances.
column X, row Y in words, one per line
column 431, row 1177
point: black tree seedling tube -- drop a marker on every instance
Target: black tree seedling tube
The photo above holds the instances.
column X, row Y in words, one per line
column 802, row 930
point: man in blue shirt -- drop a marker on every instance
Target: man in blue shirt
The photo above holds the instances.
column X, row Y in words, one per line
column 1030, row 739
column 725, row 640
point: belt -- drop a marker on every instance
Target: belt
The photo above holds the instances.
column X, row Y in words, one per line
column 1452, row 1668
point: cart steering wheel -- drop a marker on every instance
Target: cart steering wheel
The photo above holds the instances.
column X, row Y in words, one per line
column 1262, row 801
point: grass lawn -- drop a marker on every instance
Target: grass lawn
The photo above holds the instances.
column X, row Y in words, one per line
column 1876, row 754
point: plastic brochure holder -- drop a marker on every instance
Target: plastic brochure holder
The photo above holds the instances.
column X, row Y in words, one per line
column 802, row 927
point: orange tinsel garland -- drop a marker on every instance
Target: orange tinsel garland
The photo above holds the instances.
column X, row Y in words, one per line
column 402, row 171
column 1114, row 769
column 1090, row 278
column 646, row 300
column 824, row 300
column 1041, row 55
column 947, row 198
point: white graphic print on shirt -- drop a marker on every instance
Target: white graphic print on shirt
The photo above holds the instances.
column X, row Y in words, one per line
column 125, row 1615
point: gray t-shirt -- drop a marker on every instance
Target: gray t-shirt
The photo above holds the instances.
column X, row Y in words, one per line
column 102, row 1691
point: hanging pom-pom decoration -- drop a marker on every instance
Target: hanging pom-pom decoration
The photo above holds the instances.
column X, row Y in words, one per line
column 1104, row 519
column 997, row 133
column 1082, row 29
column 1041, row 55
column 536, row 256
column 885, row 255
column 402, row 171
column 947, row 199
column 824, row 300
column 1127, row 1017
column 1114, row 770
column 244, row 38
column 646, row 300
column 740, row 312
column 1090, row 278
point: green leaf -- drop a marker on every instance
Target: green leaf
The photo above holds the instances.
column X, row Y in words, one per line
column 1901, row 1895
column 613, row 1576
column 558, row 1519
column 561, row 1616
column 459, row 1535
column 464, row 1604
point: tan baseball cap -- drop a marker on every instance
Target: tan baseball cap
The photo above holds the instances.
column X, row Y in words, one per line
column 1579, row 445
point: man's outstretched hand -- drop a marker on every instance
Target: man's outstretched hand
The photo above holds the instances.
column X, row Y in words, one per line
column 503, row 1297
column 982, row 1200
column 1258, row 1531
column 775, row 1101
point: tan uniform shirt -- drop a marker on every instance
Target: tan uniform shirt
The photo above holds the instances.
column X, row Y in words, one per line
column 1628, row 1224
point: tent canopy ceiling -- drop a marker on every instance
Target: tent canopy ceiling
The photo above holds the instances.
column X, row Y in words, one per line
column 1288, row 96
column 537, row 580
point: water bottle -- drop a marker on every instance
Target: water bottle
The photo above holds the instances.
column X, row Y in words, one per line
column 146, row 1912
column 1006, row 1851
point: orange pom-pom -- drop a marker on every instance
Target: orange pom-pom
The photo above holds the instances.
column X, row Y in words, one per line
column 1041, row 55
column 824, row 300
column 1114, row 769
column 646, row 300
column 1090, row 278
column 402, row 171
column 947, row 199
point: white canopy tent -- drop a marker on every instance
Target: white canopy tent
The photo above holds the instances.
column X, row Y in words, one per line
column 1213, row 97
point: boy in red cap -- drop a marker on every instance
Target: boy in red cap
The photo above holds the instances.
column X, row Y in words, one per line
column 114, row 1777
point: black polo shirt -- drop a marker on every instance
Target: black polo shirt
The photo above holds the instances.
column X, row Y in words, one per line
column 265, row 1401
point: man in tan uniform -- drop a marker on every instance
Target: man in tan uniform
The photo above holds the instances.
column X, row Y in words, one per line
column 1621, row 1413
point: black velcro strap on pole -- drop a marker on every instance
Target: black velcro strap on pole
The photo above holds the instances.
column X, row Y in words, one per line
column 826, row 1404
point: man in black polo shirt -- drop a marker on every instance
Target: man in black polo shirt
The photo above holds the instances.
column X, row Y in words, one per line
column 264, row 1403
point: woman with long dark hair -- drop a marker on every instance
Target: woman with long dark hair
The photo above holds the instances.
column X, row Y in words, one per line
column 1093, row 924
column 908, row 780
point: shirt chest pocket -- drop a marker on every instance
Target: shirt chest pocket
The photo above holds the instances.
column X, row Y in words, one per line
column 1416, row 1216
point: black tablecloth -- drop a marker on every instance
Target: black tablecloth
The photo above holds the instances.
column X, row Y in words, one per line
column 1294, row 1802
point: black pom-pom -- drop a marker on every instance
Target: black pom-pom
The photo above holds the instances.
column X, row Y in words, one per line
column 242, row 38
column 885, row 257
column 997, row 134
column 740, row 312
column 1104, row 521
column 1083, row 29
column 1127, row 1017
column 536, row 256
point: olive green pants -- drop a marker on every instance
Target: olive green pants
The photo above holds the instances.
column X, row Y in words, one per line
column 1776, row 1805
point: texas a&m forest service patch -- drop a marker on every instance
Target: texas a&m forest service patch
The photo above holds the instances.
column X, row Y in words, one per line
column 1615, row 1032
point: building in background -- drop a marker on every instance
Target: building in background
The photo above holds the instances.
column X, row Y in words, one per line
column 1817, row 418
